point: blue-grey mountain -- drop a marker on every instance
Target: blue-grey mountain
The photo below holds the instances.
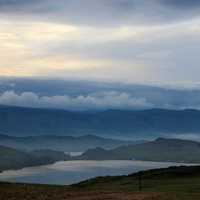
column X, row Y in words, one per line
column 17, row 121
column 62, row 143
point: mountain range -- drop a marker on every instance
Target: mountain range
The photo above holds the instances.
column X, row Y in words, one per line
column 62, row 143
column 19, row 121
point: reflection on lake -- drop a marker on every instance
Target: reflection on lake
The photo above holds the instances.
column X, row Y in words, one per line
column 69, row 172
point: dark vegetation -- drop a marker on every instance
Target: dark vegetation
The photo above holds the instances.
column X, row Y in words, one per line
column 148, row 177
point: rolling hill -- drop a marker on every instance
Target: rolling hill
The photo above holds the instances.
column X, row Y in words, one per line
column 166, row 150
column 15, row 159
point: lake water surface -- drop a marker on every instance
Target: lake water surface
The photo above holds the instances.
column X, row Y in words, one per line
column 69, row 172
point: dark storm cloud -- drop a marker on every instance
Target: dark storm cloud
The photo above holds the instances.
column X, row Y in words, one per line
column 15, row 4
column 104, row 12
column 188, row 4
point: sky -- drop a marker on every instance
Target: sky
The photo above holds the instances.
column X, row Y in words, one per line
column 100, row 54
column 130, row 41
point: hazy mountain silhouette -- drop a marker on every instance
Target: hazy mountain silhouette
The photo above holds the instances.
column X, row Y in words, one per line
column 15, row 159
column 18, row 121
column 62, row 143
column 161, row 149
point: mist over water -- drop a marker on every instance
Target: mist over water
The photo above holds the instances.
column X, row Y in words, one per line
column 69, row 172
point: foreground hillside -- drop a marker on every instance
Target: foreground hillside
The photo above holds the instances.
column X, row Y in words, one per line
column 175, row 183
column 18, row 121
column 33, row 192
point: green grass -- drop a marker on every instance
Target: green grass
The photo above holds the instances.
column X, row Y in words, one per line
column 183, row 185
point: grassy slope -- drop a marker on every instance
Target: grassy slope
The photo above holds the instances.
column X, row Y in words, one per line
column 182, row 182
column 165, row 184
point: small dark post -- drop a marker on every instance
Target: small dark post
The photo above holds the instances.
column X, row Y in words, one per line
column 140, row 181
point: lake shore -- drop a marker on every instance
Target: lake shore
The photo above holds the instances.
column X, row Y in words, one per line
column 70, row 172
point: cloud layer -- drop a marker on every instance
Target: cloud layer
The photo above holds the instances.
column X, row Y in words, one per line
column 89, row 95
column 98, row 101
column 103, row 12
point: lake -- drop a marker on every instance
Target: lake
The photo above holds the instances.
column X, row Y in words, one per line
column 69, row 172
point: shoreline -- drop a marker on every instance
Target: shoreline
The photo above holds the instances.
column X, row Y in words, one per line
column 75, row 160
column 69, row 170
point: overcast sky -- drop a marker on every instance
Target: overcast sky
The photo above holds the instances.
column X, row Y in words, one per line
column 138, row 41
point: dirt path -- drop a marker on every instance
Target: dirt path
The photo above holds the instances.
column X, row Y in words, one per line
column 42, row 192
column 115, row 196
column 27, row 195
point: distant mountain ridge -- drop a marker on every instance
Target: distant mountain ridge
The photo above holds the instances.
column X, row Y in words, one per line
column 19, row 121
column 62, row 143
column 159, row 150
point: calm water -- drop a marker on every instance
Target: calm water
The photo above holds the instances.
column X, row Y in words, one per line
column 69, row 172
